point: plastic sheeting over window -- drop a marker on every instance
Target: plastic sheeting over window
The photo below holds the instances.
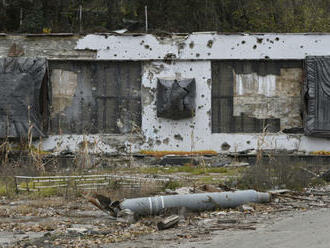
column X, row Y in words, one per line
column 317, row 96
column 176, row 98
column 20, row 84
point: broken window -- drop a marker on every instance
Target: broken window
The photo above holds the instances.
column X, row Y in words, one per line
column 95, row 97
column 22, row 85
column 317, row 96
column 176, row 98
column 248, row 96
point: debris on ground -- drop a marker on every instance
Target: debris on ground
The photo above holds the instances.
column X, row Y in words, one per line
column 210, row 188
column 168, row 222
column 56, row 222
column 247, row 208
column 237, row 164
column 184, row 190
column 326, row 176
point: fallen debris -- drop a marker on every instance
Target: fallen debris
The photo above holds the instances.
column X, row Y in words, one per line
column 126, row 215
column 237, row 164
column 80, row 231
column 228, row 221
column 210, row 188
column 326, row 176
column 247, row 208
column 168, row 222
column 61, row 222
column 236, row 226
column 279, row 191
column 184, row 190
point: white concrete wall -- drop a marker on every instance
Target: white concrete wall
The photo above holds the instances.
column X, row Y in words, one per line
column 196, row 132
column 205, row 46
column 192, row 130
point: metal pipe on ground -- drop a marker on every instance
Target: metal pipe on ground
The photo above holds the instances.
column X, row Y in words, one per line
column 194, row 202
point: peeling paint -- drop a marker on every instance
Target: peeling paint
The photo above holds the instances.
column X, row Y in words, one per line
column 148, row 95
column 252, row 84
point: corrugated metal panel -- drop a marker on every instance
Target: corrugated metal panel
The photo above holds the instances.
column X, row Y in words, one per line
column 105, row 98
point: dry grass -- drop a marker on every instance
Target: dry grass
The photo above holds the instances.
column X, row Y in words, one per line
column 55, row 202
column 25, row 210
column 327, row 153
column 279, row 172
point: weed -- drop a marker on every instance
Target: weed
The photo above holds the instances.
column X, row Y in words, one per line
column 173, row 185
column 277, row 173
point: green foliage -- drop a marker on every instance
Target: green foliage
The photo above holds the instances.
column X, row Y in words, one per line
column 173, row 185
column 33, row 22
column 169, row 15
column 7, row 187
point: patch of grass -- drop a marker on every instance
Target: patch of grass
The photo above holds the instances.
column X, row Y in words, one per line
column 173, row 185
column 206, row 180
column 193, row 170
column 26, row 210
column 45, row 203
column 46, row 192
column 7, row 187
column 3, row 190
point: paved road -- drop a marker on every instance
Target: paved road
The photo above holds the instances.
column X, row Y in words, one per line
column 309, row 229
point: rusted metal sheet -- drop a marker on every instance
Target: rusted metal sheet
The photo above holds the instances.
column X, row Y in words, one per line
column 249, row 95
column 95, row 97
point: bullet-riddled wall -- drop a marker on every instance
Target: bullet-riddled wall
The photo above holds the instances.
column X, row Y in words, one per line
column 245, row 85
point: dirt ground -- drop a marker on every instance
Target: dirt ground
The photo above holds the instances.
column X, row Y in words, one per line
column 60, row 222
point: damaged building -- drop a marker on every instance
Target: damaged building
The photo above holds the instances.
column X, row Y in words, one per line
column 134, row 92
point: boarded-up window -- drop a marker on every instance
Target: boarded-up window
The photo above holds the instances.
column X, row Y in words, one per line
column 248, row 96
column 317, row 96
column 95, row 97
